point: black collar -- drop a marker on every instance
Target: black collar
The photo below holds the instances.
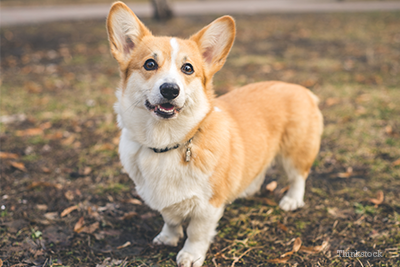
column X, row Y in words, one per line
column 162, row 150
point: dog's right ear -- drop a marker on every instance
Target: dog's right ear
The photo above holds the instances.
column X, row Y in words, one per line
column 125, row 30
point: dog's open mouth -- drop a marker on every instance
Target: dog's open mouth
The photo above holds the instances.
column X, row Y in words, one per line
column 165, row 110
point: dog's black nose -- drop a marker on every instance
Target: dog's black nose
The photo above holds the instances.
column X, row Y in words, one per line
column 169, row 90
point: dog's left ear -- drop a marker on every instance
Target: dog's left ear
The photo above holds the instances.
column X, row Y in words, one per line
column 125, row 31
column 215, row 42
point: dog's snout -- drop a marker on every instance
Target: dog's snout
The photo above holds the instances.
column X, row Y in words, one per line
column 169, row 90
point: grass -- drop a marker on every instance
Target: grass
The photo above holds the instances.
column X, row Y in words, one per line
column 61, row 77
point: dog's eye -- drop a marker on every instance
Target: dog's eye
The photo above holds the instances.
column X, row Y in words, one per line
column 150, row 64
column 187, row 68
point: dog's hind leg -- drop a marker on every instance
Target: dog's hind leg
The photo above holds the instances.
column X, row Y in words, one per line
column 299, row 148
column 294, row 198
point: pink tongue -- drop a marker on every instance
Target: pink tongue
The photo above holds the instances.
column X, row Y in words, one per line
column 167, row 106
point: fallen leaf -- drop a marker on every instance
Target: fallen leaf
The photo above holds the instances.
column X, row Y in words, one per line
column 332, row 101
column 283, row 190
column 346, row 174
column 68, row 211
column 128, row 215
column 87, row 170
column 90, row 229
column 379, row 198
column 104, row 147
column 296, row 245
column 93, row 214
column 45, row 125
column 389, row 129
column 45, row 184
column 148, row 215
column 51, row 215
column 76, row 145
column 29, row 132
column 1, row 262
column 315, row 249
column 271, row 186
column 41, row 206
column 115, row 140
column 265, row 200
column 363, row 97
column 133, row 201
column 279, row 260
column 336, row 213
column 18, row 165
column 396, row 162
column 287, row 254
column 269, row 202
column 361, row 110
column 79, row 225
column 359, row 221
column 5, row 155
column 69, row 195
column 33, row 87
column 124, row 245
column 282, row 227
column 46, row 170
column 68, row 141
column 99, row 236
column 308, row 83
column 54, row 136
column 111, row 232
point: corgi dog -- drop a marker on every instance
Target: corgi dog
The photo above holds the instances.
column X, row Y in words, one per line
column 190, row 153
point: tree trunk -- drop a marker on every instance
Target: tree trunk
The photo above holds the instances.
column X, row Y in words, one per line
column 162, row 9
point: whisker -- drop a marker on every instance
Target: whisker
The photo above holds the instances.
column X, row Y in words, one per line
column 134, row 105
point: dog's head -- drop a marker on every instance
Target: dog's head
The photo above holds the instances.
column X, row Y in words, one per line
column 164, row 78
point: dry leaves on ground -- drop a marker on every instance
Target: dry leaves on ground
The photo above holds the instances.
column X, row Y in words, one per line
column 5, row 155
column 68, row 210
column 18, row 165
column 379, row 198
column 298, row 247
column 91, row 228
column 29, row 132
column 124, row 245
column 315, row 249
column 45, row 184
column 282, row 227
column 271, row 186
column 128, row 215
column 396, row 162
column 79, row 225
column 133, row 201
column 346, row 174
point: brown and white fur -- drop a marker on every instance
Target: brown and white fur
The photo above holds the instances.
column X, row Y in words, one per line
column 235, row 137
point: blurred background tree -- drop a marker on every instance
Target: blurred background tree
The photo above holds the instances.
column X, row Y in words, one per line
column 161, row 9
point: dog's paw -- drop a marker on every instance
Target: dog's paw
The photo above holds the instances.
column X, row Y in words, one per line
column 167, row 239
column 287, row 203
column 186, row 259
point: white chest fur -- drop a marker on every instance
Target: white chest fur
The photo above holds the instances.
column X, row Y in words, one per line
column 160, row 178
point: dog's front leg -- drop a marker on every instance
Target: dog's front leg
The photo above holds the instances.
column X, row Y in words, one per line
column 201, row 231
column 171, row 232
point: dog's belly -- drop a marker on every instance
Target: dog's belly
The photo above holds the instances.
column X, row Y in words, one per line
column 161, row 179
